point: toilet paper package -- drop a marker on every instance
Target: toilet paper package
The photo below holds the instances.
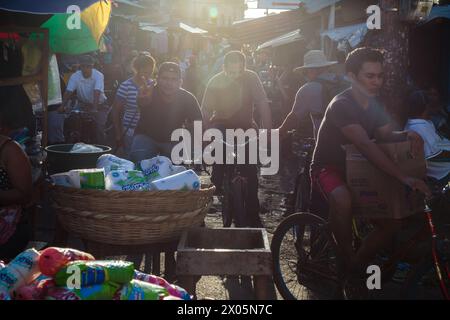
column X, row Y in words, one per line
column 122, row 180
column 186, row 180
column 110, row 163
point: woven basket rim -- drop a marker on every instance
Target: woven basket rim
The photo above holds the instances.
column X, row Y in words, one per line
column 206, row 189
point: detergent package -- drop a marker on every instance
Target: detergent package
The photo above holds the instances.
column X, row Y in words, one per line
column 96, row 272
column 139, row 290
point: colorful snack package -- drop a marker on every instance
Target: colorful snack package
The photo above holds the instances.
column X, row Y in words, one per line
column 172, row 289
column 139, row 290
column 104, row 291
column 97, row 272
column 53, row 259
column 36, row 290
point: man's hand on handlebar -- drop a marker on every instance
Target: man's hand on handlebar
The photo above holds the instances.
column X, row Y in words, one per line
column 417, row 185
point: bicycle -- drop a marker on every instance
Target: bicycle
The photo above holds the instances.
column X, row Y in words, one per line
column 300, row 199
column 235, row 190
column 306, row 263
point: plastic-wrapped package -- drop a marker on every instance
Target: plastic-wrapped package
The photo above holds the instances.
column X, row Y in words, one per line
column 157, row 168
column 186, row 180
column 126, row 181
column 85, row 148
column 110, row 163
column 20, row 271
column 173, row 290
column 53, row 259
column 105, row 291
column 97, row 272
column 139, row 290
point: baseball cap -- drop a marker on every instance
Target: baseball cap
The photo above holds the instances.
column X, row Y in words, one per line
column 170, row 67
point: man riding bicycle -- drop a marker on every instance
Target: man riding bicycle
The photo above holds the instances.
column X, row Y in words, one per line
column 356, row 117
column 88, row 83
column 229, row 101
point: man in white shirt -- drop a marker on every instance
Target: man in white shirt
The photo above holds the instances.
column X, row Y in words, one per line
column 437, row 148
column 88, row 83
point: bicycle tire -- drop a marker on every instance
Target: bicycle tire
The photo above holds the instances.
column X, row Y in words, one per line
column 321, row 248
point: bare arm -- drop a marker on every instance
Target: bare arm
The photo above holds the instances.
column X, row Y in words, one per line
column 358, row 136
column 19, row 172
column 386, row 134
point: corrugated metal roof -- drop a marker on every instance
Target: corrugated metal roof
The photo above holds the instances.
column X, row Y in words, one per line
column 313, row 6
column 260, row 30
column 190, row 29
column 282, row 40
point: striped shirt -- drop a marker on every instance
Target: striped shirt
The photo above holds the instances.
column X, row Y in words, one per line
column 128, row 93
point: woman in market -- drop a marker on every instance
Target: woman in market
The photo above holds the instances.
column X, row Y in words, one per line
column 125, row 108
column 15, row 187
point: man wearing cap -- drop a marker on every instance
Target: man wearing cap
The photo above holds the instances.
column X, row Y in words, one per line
column 164, row 108
column 312, row 98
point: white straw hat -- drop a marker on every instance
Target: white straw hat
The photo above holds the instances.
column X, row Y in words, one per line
column 315, row 59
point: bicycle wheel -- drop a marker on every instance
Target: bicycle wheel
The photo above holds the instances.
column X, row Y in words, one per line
column 304, row 259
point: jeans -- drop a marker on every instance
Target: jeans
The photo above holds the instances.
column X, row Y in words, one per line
column 144, row 147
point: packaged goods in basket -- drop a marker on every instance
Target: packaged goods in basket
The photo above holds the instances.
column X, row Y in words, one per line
column 186, row 180
column 88, row 178
column 53, row 259
column 105, row 291
column 36, row 290
column 156, row 168
column 139, row 290
column 20, row 271
column 63, row 179
column 121, row 180
column 173, row 290
column 84, row 148
column 110, row 163
column 97, row 272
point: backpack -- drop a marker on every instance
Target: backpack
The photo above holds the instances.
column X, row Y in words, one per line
column 330, row 89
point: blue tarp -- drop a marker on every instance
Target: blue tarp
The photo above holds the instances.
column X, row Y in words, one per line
column 43, row 6
column 439, row 12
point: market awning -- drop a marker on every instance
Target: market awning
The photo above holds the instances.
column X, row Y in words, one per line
column 190, row 29
column 260, row 30
column 44, row 6
column 353, row 34
column 282, row 40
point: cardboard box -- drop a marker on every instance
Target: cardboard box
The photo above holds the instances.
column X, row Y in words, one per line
column 378, row 195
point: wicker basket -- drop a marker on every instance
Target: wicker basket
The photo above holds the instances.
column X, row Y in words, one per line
column 129, row 217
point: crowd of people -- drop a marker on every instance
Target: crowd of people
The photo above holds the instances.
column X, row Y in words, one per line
column 158, row 98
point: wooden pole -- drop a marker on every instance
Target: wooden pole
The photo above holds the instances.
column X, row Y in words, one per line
column 44, row 86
